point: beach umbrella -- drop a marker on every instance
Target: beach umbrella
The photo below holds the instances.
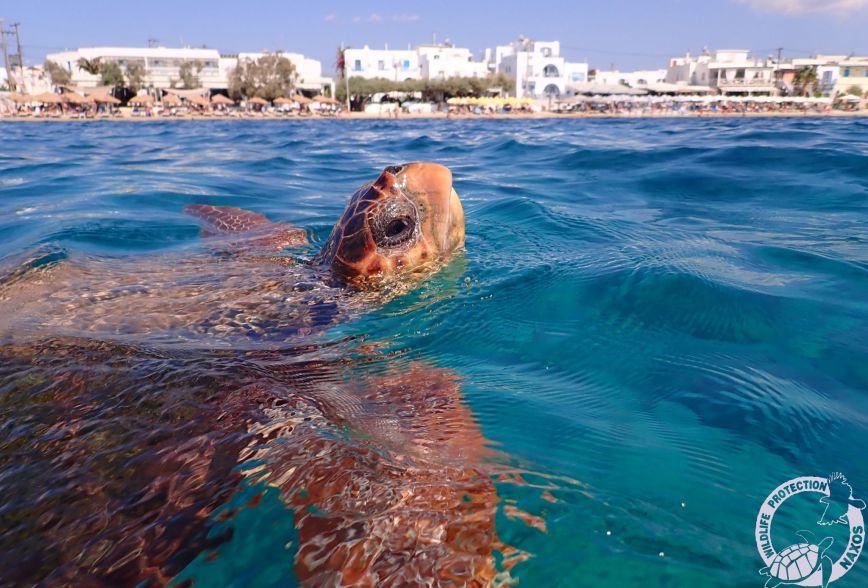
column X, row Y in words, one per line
column 75, row 98
column 221, row 99
column 105, row 99
column 142, row 100
column 20, row 98
column 171, row 100
column 325, row 100
column 47, row 98
column 199, row 101
column 282, row 100
column 258, row 100
column 301, row 99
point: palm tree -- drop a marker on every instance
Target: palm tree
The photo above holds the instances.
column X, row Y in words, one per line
column 91, row 66
column 804, row 80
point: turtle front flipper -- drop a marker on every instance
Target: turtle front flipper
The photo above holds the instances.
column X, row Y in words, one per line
column 245, row 228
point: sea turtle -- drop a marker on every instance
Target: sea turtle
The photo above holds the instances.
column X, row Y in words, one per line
column 404, row 224
column 139, row 395
column 798, row 562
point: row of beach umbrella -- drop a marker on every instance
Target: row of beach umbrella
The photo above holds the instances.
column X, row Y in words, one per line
column 168, row 100
column 489, row 101
column 65, row 98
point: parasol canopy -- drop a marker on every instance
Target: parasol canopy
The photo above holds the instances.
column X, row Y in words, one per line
column 142, row 100
column 171, row 100
column 75, row 98
column 258, row 100
column 198, row 101
column 47, row 98
column 221, row 99
column 105, row 99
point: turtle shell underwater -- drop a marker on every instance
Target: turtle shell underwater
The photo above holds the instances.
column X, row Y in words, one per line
column 142, row 399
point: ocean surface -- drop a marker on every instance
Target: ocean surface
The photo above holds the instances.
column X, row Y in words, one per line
column 655, row 323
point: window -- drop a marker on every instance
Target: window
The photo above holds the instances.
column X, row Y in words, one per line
column 406, row 64
column 577, row 76
column 551, row 71
column 846, row 72
column 357, row 66
column 381, row 65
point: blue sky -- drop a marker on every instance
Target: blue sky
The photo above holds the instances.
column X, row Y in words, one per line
column 627, row 33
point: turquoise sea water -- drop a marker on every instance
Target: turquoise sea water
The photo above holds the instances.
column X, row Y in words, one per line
column 660, row 321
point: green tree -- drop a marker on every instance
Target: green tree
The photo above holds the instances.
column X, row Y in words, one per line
column 805, row 80
column 91, row 66
column 188, row 74
column 362, row 90
column 271, row 76
column 855, row 90
column 136, row 75
column 111, row 75
column 59, row 75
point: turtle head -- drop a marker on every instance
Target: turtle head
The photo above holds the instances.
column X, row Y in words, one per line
column 407, row 220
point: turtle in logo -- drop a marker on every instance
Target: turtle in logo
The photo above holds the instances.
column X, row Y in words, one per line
column 800, row 561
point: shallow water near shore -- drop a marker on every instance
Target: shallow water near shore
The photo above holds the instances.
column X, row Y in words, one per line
column 658, row 321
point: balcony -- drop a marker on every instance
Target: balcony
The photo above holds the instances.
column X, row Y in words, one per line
column 742, row 83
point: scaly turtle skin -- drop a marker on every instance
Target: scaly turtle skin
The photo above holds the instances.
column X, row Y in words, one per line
column 144, row 392
column 406, row 219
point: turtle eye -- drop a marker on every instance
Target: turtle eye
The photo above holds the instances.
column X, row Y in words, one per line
column 394, row 223
column 396, row 227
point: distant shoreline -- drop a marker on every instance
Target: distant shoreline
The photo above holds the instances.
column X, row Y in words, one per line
column 444, row 116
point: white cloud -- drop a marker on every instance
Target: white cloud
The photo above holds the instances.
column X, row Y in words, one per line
column 370, row 18
column 330, row 17
column 405, row 17
column 797, row 7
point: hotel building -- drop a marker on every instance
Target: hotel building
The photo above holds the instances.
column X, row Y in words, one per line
column 537, row 68
column 162, row 64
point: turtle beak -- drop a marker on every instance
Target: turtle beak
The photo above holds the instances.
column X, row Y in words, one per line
column 433, row 182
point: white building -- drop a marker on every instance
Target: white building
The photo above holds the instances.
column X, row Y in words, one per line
column 730, row 71
column 537, row 67
column 162, row 65
column 836, row 74
column 439, row 62
column 396, row 65
column 633, row 79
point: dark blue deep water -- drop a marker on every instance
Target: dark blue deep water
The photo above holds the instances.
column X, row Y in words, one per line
column 659, row 321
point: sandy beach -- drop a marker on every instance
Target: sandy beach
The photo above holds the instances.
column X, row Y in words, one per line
column 129, row 117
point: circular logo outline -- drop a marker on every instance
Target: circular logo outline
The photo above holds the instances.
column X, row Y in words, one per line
column 779, row 496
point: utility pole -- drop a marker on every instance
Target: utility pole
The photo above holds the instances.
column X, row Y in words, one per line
column 152, row 42
column 20, row 55
column 10, row 81
column 778, row 74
